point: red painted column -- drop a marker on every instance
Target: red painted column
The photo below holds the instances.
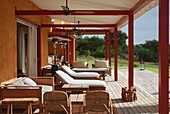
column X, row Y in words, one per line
column 115, row 53
column 130, row 50
column 109, row 48
column 39, row 50
column 106, row 49
column 163, row 56
column 72, row 49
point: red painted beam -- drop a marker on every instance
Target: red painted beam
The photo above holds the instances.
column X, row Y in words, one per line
column 56, row 34
column 163, row 56
column 79, row 25
column 85, row 31
column 72, row 12
column 121, row 20
column 115, row 53
column 137, row 7
column 130, row 50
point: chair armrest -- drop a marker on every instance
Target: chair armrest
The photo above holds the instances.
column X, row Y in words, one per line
column 44, row 80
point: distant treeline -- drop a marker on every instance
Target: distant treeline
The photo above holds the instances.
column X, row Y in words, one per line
column 95, row 46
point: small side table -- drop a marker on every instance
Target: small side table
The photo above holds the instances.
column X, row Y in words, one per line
column 75, row 88
column 11, row 101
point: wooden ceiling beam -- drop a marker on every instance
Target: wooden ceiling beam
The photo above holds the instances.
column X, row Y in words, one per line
column 85, row 31
column 72, row 12
column 137, row 7
column 79, row 25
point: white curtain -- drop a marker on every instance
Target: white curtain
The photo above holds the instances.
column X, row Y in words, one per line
column 21, row 49
column 32, row 52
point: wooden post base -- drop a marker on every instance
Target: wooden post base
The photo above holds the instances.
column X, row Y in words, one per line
column 129, row 94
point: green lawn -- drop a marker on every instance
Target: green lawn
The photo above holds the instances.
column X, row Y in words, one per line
column 122, row 63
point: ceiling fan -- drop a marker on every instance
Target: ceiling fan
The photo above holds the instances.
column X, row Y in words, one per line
column 66, row 9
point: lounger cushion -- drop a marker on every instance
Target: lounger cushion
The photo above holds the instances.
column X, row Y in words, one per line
column 64, row 76
column 101, row 63
column 79, row 64
column 69, row 80
column 85, row 75
column 93, row 83
column 67, row 69
column 80, row 74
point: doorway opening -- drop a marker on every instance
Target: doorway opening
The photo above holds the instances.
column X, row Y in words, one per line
column 26, row 49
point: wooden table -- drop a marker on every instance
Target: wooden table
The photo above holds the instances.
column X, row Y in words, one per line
column 101, row 71
column 12, row 101
column 77, row 98
column 75, row 88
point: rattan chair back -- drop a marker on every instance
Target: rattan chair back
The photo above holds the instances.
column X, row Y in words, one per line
column 56, row 101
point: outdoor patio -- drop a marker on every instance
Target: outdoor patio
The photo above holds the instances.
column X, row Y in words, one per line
column 146, row 83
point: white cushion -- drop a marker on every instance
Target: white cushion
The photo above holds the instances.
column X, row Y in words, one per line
column 64, row 76
column 29, row 81
column 70, row 80
column 85, row 75
column 79, row 64
column 97, row 83
column 101, row 63
column 17, row 82
column 67, row 69
column 79, row 74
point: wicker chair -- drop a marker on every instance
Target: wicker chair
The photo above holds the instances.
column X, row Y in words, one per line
column 97, row 101
column 57, row 102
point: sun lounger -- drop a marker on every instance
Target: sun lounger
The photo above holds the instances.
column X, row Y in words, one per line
column 63, row 78
column 80, row 75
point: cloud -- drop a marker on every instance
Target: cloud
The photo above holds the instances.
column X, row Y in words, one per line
column 145, row 27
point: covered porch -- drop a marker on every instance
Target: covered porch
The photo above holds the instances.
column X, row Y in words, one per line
column 123, row 13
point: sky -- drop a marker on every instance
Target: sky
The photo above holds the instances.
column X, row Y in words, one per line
column 145, row 27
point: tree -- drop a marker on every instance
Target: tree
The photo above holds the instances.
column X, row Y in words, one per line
column 122, row 46
column 90, row 46
column 147, row 51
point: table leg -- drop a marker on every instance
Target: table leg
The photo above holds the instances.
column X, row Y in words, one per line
column 30, row 108
column 8, row 109
column 11, row 108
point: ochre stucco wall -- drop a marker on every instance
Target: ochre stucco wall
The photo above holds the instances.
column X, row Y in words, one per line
column 8, row 40
column 8, row 66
